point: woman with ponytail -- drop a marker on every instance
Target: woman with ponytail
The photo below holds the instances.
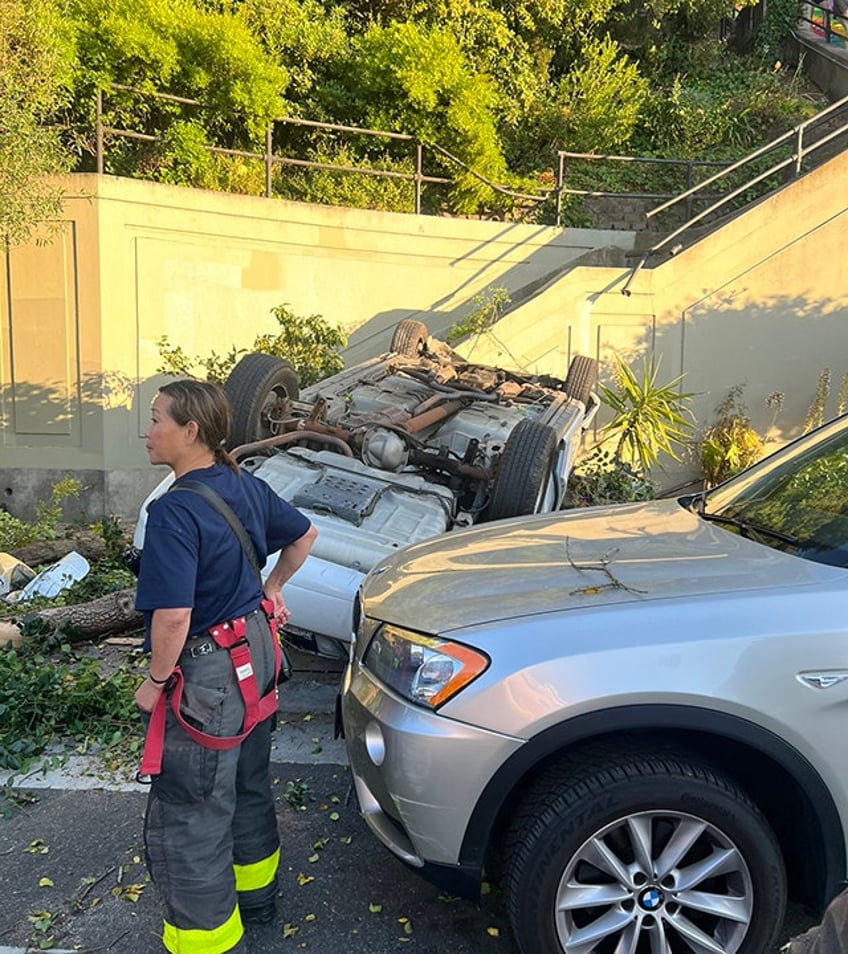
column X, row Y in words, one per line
column 211, row 839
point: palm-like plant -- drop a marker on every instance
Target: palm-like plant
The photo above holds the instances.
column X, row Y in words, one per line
column 649, row 419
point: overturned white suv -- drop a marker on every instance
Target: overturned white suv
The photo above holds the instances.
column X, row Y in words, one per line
column 403, row 447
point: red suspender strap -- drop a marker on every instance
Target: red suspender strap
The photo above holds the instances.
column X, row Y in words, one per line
column 267, row 607
column 230, row 636
column 151, row 757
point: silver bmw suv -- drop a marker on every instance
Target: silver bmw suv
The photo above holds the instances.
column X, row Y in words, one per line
column 635, row 717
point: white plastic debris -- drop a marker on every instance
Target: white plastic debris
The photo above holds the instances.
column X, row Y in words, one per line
column 53, row 579
column 13, row 574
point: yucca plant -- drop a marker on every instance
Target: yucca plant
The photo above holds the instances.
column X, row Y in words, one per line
column 649, row 419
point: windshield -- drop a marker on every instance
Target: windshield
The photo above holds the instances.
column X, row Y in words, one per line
column 796, row 500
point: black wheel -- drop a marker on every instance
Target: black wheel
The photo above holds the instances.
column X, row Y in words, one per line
column 526, row 481
column 581, row 378
column 645, row 854
column 257, row 387
column 410, row 338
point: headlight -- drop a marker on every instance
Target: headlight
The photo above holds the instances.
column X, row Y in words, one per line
column 423, row 669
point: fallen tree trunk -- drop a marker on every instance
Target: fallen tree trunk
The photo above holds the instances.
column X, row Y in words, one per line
column 86, row 543
column 106, row 616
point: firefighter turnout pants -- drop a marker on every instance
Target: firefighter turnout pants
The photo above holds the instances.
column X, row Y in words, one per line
column 211, row 839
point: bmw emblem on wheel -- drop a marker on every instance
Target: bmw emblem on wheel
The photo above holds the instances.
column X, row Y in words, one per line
column 651, row 899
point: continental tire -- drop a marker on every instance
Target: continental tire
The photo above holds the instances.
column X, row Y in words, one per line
column 642, row 853
column 258, row 388
column 526, row 476
column 410, row 338
column 581, row 378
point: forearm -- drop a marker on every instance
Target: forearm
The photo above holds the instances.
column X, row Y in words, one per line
column 290, row 560
column 168, row 631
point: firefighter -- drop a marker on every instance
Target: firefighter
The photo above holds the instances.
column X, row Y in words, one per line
column 211, row 840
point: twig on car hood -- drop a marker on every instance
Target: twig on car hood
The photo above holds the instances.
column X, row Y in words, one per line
column 602, row 565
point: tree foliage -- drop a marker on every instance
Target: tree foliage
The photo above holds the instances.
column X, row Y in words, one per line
column 417, row 80
column 301, row 35
column 184, row 49
column 597, row 104
column 36, row 58
column 498, row 84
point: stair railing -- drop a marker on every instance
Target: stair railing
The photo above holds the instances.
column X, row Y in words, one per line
column 801, row 149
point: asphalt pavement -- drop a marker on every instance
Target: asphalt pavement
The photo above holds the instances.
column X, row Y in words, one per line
column 73, row 877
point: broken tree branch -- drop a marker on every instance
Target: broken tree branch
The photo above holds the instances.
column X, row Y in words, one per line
column 602, row 565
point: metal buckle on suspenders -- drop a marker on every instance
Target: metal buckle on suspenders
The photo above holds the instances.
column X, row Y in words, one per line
column 205, row 648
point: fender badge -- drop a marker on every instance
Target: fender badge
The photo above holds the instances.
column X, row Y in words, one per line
column 823, row 680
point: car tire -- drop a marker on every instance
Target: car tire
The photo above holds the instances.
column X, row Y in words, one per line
column 257, row 386
column 581, row 378
column 633, row 852
column 410, row 338
column 525, row 472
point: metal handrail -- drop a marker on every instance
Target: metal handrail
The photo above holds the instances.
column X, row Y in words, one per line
column 795, row 160
column 690, row 165
column 826, row 23
column 419, row 178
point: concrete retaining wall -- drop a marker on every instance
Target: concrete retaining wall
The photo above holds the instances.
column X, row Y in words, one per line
column 80, row 318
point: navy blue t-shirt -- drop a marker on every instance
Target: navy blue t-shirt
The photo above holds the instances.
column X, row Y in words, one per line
column 191, row 556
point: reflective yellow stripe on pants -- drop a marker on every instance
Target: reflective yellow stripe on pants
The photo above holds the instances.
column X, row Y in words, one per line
column 196, row 941
column 257, row 875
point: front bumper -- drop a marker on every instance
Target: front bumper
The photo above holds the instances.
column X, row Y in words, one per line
column 418, row 777
column 320, row 597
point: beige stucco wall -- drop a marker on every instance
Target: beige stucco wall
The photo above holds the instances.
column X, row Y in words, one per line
column 763, row 301
column 81, row 316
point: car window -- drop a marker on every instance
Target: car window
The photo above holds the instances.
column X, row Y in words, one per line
column 796, row 501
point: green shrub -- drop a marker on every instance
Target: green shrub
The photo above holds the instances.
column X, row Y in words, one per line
column 183, row 157
column 730, row 444
column 240, row 174
column 308, row 342
column 349, row 189
column 597, row 103
column 15, row 533
column 48, row 691
column 719, row 106
column 417, row 79
column 602, row 478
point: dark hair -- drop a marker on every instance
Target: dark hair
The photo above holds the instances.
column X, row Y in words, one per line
column 209, row 407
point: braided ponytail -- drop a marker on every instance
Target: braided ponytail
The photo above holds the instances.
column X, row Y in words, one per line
column 223, row 456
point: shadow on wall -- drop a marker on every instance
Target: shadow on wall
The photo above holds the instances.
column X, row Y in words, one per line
column 64, row 429
column 781, row 344
column 533, row 268
column 778, row 345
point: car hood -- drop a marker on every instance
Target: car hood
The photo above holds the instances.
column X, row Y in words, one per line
column 573, row 560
